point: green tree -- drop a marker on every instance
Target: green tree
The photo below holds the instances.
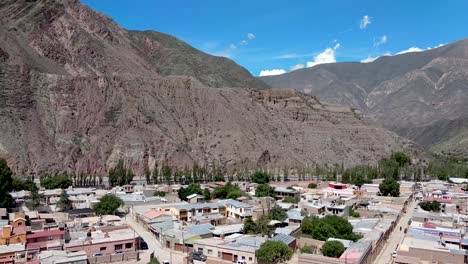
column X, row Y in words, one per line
column 312, row 185
column 147, row 174
column 430, row 206
column 64, row 204
column 191, row 189
column 401, row 158
column 6, row 180
column 249, row 226
column 390, row 187
column 333, row 249
column 228, row 191
column 120, row 174
column 207, row 194
column 108, row 204
column 167, row 174
column 293, row 200
column 60, row 181
column 274, row 252
column 276, row 213
column 389, row 168
column 264, row 190
column 155, row 174
column 329, row 226
column 260, row 177
column 159, row 193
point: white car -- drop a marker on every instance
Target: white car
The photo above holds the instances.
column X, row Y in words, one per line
column 394, row 254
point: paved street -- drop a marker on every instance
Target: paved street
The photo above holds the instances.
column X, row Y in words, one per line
column 385, row 256
column 154, row 246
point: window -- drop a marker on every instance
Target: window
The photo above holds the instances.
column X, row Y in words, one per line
column 210, row 252
column 200, row 250
column 243, row 257
column 50, row 238
column 219, row 254
column 250, row 259
column 102, row 248
column 128, row 245
column 200, row 210
column 118, row 247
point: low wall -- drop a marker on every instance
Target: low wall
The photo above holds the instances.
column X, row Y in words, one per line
column 318, row 259
column 114, row 258
column 303, row 241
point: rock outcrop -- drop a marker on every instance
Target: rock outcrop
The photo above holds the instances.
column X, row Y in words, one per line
column 78, row 93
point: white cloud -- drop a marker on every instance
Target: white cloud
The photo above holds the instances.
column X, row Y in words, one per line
column 250, row 36
column 297, row 67
column 365, row 21
column 327, row 56
column 412, row 49
column 381, row 41
column 232, row 46
column 243, row 42
column 271, row 72
column 369, row 59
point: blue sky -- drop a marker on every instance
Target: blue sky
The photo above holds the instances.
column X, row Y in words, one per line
column 284, row 35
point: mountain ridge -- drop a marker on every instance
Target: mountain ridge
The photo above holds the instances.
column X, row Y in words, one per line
column 402, row 92
column 78, row 93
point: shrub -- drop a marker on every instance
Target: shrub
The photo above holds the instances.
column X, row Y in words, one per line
column 333, row 249
column 312, row 185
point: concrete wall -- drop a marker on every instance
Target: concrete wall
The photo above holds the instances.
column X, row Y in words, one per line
column 433, row 256
column 318, row 259
column 114, row 258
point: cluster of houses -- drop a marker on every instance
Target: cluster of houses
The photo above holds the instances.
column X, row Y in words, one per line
column 33, row 237
column 438, row 237
column 214, row 227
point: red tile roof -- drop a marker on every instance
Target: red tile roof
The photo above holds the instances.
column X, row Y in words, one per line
column 45, row 233
column 151, row 214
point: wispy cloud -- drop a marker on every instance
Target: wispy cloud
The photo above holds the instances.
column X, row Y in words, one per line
column 228, row 51
column 381, row 41
column 365, row 21
column 293, row 56
column 271, row 72
column 326, row 56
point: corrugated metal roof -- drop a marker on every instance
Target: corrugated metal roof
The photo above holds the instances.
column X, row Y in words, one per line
column 284, row 238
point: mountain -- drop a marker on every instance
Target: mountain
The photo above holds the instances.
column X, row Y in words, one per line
column 78, row 93
column 421, row 95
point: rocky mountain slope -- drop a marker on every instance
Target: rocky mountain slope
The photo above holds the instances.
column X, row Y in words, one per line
column 78, row 93
column 422, row 96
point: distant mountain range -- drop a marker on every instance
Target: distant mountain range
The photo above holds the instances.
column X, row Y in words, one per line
column 421, row 95
column 78, row 93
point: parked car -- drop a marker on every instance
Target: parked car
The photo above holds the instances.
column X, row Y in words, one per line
column 394, row 254
column 198, row 256
column 117, row 252
column 97, row 255
column 165, row 262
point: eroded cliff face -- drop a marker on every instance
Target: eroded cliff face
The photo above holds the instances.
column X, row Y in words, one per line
column 420, row 95
column 77, row 94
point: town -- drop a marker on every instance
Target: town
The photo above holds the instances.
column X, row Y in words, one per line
column 257, row 221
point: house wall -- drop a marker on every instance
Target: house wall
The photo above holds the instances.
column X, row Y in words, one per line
column 221, row 253
column 433, row 256
column 104, row 248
